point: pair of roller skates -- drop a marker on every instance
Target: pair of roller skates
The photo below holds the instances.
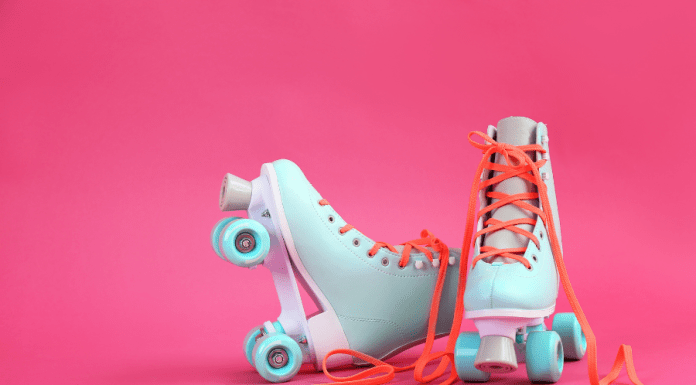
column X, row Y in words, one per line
column 376, row 299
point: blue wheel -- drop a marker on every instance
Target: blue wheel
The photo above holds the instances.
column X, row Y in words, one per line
column 277, row 357
column 572, row 337
column 244, row 242
column 544, row 357
column 464, row 355
column 250, row 342
column 215, row 234
column 252, row 336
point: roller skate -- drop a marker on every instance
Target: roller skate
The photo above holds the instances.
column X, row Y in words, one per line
column 373, row 298
column 513, row 282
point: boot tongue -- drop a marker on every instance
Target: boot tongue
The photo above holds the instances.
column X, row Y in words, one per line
column 517, row 131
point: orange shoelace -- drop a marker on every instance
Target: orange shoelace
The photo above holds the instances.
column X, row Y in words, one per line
column 521, row 167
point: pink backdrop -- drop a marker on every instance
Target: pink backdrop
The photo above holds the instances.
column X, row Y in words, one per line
column 119, row 119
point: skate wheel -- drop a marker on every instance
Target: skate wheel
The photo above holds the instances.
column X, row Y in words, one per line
column 464, row 356
column 244, row 242
column 277, row 357
column 215, row 234
column 520, row 343
column 250, row 342
column 252, row 336
column 572, row 337
column 544, row 357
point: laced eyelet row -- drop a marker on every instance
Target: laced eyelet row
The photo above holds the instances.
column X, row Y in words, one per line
column 534, row 257
column 356, row 242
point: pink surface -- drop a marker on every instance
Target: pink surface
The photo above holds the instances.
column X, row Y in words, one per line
column 119, row 119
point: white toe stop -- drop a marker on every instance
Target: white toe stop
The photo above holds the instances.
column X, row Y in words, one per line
column 452, row 261
column 419, row 265
column 235, row 193
column 436, row 262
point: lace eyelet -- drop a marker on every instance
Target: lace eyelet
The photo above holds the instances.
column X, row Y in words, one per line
column 369, row 255
column 541, row 235
column 356, row 242
column 530, row 268
column 534, row 257
column 401, row 267
column 341, row 232
column 332, row 219
column 385, row 261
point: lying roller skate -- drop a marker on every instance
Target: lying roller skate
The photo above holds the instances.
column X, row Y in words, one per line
column 373, row 297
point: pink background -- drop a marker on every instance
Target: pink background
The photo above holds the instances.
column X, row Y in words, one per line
column 119, row 119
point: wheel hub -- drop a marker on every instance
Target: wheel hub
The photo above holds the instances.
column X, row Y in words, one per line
column 245, row 242
column 278, row 358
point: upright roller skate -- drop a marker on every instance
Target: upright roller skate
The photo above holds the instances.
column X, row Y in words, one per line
column 513, row 282
column 373, row 297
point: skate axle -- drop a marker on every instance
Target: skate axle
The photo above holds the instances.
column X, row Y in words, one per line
column 245, row 242
column 278, row 358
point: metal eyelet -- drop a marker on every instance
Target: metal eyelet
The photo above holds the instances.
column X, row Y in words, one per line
column 534, row 257
column 341, row 233
column 530, row 268
column 356, row 242
column 401, row 267
column 541, row 235
column 332, row 219
column 385, row 261
column 369, row 255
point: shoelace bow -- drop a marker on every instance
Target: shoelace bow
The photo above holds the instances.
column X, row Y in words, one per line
column 387, row 371
column 521, row 167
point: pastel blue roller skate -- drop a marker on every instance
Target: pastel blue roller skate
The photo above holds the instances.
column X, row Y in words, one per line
column 513, row 282
column 372, row 297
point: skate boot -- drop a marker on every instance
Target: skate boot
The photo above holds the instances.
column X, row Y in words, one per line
column 373, row 298
column 513, row 283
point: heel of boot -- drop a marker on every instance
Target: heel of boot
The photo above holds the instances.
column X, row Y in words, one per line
column 326, row 334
